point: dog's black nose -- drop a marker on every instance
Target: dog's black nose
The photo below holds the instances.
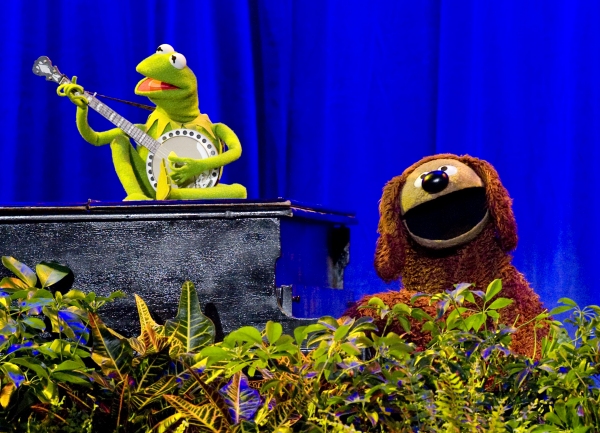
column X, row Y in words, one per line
column 435, row 181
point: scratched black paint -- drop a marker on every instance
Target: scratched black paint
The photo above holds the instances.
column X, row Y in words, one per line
column 227, row 249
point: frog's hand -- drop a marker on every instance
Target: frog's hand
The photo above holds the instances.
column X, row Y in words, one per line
column 184, row 169
column 74, row 92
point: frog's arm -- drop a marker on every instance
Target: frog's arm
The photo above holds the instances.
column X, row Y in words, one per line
column 94, row 137
column 183, row 169
column 75, row 93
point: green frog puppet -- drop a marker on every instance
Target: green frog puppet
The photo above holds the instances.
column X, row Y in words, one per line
column 172, row 86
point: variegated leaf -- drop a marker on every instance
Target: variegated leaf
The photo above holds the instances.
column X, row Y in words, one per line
column 167, row 423
column 190, row 327
column 243, row 401
column 156, row 390
column 146, row 321
column 206, row 416
column 111, row 353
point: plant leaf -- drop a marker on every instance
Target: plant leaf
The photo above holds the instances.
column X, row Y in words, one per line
column 493, row 289
column 273, row 331
column 145, row 317
column 22, row 271
column 205, row 415
column 5, row 394
column 500, row 303
column 190, row 327
column 13, row 283
column 14, row 373
column 111, row 353
column 51, row 273
column 156, row 390
column 243, row 401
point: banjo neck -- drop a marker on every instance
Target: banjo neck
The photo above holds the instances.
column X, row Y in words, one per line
column 120, row 122
column 44, row 68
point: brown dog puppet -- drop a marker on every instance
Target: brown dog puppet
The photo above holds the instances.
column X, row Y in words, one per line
column 448, row 220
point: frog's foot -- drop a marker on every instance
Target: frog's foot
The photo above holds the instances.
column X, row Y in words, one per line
column 219, row 191
column 136, row 196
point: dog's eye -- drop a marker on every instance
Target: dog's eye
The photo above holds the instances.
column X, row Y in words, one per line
column 448, row 169
column 419, row 180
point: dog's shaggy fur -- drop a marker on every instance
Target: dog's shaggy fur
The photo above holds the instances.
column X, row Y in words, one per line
column 479, row 261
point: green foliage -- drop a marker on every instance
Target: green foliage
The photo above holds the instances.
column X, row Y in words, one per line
column 63, row 369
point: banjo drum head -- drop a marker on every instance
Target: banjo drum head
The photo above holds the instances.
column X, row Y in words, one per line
column 185, row 143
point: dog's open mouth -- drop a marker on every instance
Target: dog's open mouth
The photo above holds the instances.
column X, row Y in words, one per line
column 448, row 216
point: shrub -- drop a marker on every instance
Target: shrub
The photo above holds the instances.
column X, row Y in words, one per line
column 58, row 358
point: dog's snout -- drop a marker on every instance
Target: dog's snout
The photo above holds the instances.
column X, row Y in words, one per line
column 435, row 181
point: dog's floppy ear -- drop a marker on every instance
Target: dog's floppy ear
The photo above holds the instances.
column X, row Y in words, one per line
column 499, row 202
column 392, row 242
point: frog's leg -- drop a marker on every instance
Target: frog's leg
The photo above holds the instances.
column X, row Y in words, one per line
column 130, row 168
column 235, row 190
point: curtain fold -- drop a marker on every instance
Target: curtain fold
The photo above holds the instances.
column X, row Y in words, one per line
column 332, row 99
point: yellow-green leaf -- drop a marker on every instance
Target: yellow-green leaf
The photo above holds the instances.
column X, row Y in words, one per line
column 50, row 273
column 190, row 327
column 22, row 271
column 5, row 394
column 493, row 289
column 206, row 415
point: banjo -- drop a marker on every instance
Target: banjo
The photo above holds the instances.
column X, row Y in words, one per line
column 185, row 143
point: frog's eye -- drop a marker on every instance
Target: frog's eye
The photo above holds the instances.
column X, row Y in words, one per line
column 165, row 49
column 448, row 169
column 419, row 180
column 178, row 60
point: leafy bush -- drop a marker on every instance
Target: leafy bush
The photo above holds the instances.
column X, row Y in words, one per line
column 63, row 369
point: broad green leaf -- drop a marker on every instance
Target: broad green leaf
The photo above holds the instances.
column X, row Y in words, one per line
column 567, row 301
column 420, row 314
column 32, row 364
column 329, row 322
column 376, row 302
column 561, row 309
column 300, row 334
column 500, row 303
column 190, row 327
column 75, row 294
column 65, row 376
column 50, row 392
column 112, row 354
column 206, row 416
column 350, row 349
column 475, row 321
column 214, row 354
column 50, row 273
column 245, row 334
column 22, row 271
column 341, row 332
column 273, row 331
column 34, row 322
column 69, row 365
column 493, row 289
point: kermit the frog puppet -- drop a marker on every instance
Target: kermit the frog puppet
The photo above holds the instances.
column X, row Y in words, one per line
column 172, row 86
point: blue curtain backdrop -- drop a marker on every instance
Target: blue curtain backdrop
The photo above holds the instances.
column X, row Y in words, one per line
column 333, row 98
